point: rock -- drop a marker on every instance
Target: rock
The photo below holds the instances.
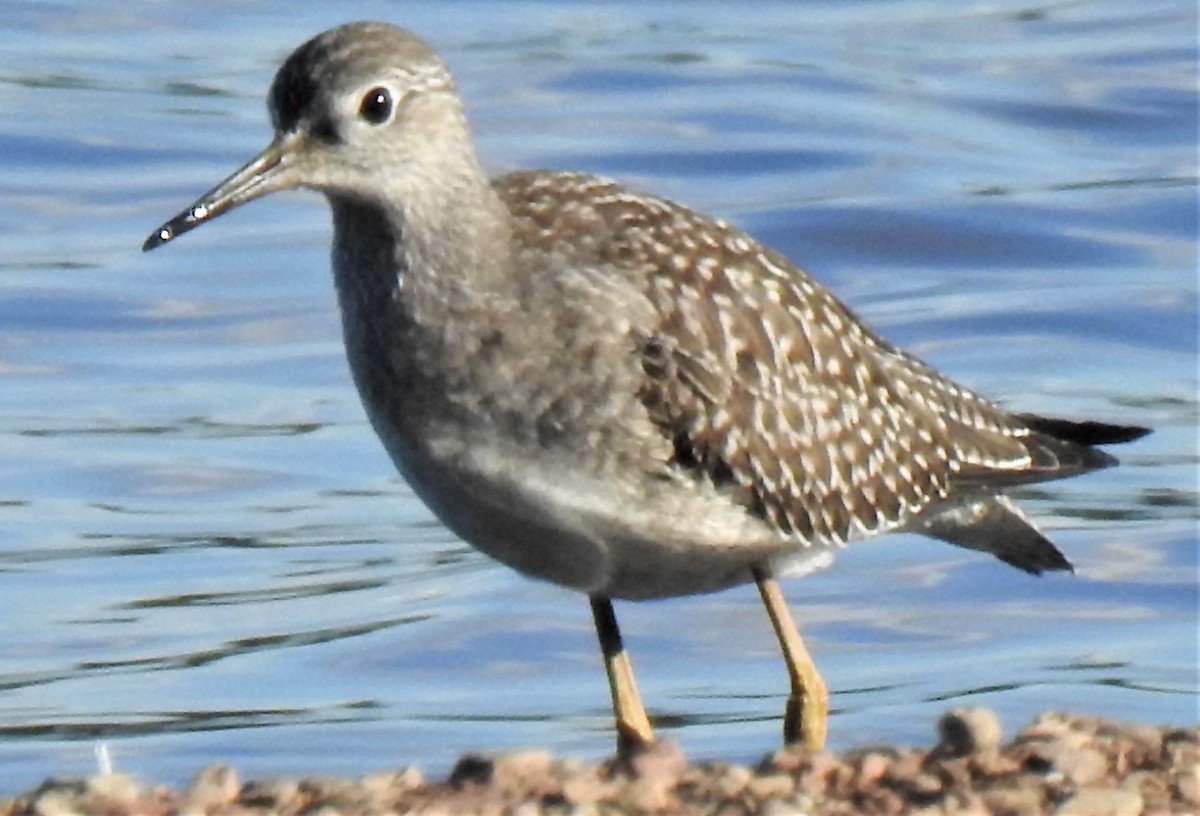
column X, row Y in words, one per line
column 212, row 787
column 275, row 794
column 383, row 784
column 525, row 769
column 788, row 758
column 58, row 802
column 777, row 807
column 662, row 759
column 584, row 787
column 117, row 788
column 1079, row 765
column 471, row 769
column 647, row 794
column 1014, row 801
column 965, row 731
column 775, row 786
column 872, row 766
column 1186, row 784
column 731, row 780
column 1101, row 802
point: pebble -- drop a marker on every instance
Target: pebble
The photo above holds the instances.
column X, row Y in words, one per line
column 1014, row 801
column 731, row 780
column 471, row 769
column 57, row 803
column 1187, row 784
column 118, row 788
column 1078, row 765
column 384, row 783
column 524, row 769
column 269, row 793
column 775, row 786
column 965, row 731
column 212, row 787
column 584, row 788
column 1101, row 802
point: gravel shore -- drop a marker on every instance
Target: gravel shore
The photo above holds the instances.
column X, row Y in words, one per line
column 1063, row 764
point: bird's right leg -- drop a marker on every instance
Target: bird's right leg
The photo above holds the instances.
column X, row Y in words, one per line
column 804, row 722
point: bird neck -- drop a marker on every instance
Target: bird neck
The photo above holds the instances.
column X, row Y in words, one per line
column 444, row 237
column 429, row 272
column 445, row 247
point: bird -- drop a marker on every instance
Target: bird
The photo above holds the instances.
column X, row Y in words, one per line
column 611, row 391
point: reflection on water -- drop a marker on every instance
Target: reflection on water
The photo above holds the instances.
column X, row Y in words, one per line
column 204, row 554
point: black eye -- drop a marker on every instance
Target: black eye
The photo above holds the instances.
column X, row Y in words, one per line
column 376, row 106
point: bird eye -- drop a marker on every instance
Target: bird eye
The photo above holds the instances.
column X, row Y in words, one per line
column 376, row 106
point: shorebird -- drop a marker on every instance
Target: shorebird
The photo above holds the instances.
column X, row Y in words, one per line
column 611, row 391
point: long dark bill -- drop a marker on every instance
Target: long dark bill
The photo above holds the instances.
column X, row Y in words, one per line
column 265, row 173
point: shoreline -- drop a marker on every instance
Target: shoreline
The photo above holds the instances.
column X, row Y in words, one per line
column 1062, row 763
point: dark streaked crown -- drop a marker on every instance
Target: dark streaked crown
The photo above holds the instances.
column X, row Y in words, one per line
column 334, row 61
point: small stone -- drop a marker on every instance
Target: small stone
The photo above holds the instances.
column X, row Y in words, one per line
column 521, row 770
column 904, row 768
column 269, row 793
column 386, row 783
column 1014, row 801
column 471, row 769
column 735, row 808
column 114, row 787
column 1184, row 754
column 1147, row 737
column 778, row 807
column 772, row 786
column 1187, row 784
column 872, row 767
column 1101, row 802
column 647, row 794
column 324, row 810
column 966, row 731
column 1050, row 725
column 659, row 760
column 787, row 758
column 732, row 780
column 58, row 802
column 822, row 767
column 926, row 785
column 214, row 786
column 1081, row 766
column 584, row 787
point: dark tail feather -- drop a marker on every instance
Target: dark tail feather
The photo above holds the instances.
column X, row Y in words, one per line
column 1083, row 433
column 991, row 523
column 994, row 524
column 1060, row 447
column 1057, row 448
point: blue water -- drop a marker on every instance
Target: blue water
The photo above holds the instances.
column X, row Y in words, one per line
column 205, row 555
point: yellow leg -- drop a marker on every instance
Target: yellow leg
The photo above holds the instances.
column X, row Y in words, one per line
column 633, row 727
column 808, row 704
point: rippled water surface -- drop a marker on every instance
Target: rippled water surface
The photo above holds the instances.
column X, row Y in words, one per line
column 204, row 553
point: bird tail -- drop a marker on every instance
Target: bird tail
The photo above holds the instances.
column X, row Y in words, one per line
column 1083, row 433
column 992, row 523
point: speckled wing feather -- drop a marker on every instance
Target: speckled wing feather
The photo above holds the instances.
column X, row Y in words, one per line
column 767, row 385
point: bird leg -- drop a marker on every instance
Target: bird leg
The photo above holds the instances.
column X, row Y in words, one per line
column 633, row 727
column 804, row 722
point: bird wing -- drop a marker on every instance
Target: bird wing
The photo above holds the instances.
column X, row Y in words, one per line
column 765, row 384
column 769, row 385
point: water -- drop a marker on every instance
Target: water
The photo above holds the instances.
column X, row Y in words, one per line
column 205, row 555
